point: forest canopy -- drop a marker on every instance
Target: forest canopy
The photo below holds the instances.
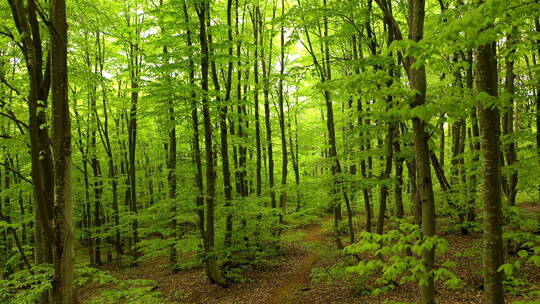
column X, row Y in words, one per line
column 269, row 151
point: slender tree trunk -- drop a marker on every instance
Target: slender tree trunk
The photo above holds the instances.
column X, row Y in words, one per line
column 284, row 155
column 198, row 180
column 475, row 144
column 134, row 62
column 223, row 111
column 398, row 188
column 267, row 121
column 96, row 170
column 385, row 175
column 64, row 256
column 293, row 144
column 211, row 262
column 392, row 127
column 171, row 178
column 417, row 79
column 537, row 27
column 508, row 125
column 486, row 81
column 258, row 187
column 442, row 145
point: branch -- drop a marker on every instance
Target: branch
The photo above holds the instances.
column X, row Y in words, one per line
column 7, row 219
column 19, row 174
column 9, row 85
column 15, row 119
column 10, row 36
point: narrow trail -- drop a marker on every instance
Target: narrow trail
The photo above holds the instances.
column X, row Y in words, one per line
column 299, row 277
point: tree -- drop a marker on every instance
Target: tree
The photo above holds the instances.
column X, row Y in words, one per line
column 64, row 256
column 211, row 267
column 486, row 84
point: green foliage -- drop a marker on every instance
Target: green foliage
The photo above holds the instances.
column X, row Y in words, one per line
column 86, row 274
column 130, row 292
column 22, row 287
column 395, row 259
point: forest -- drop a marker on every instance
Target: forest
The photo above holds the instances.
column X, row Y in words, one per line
column 269, row 151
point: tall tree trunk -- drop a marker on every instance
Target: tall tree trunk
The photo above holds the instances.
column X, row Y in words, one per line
column 198, row 180
column 475, row 144
column 398, row 188
column 486, row 81
column 105, row 139
column 441, row 145
column 385, row 175
column 326, row 75
column 134, row 63
column 171, row 178
column 258, row 187
column 267, row 121
column 42, row 170
column 537, row 27
column 392, row 127
column 211, row 262
column 284, row 155
column 224, row 140
column 64, row 256
column 294, row 153
column 508, row 124
column 417, row 79
column 96, row 170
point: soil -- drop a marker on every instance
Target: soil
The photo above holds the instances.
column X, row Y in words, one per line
column 289, row 281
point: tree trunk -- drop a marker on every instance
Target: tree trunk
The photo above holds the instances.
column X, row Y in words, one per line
column 223, row 111
column 258, row 186
column 441, row 145
column 196, row 149
column 417, row 79
column 537, row 27
column 398, row 188
column 475, row 144
column 284, row 155
column 134, row 65
column 64, row 256
column 508, row 125
column 385, row 175
column 267, row 121
column 486, row 81
column 211, row 263
column 171, row 178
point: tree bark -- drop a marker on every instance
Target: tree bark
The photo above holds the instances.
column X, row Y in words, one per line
column 64, row 255
column 486, row 82
column 417, row 79
column 134, row 68
column 284, row 155
column 211, row 264
column 508, row 124
column 196, row 149
column 267, row 121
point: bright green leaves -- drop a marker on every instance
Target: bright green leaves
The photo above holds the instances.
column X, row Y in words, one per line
column 23, row 287
column 391, row 259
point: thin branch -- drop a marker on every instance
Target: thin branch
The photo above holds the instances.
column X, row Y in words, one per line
column 10, row 36
column 4, row 81
column 7, row 219
column 19, row 174
column 15, row 119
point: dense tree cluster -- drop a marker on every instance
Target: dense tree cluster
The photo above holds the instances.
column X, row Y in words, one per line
column 205, row 130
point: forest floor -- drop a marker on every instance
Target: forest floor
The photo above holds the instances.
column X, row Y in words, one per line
column 290, row 279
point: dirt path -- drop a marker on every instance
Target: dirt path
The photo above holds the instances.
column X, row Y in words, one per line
column 299, row 277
